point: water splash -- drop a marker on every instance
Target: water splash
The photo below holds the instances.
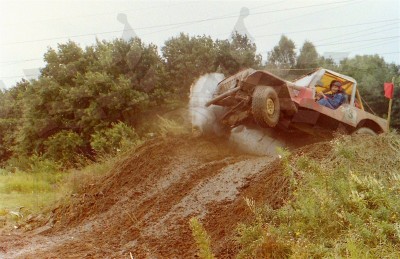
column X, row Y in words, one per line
column 204, row 119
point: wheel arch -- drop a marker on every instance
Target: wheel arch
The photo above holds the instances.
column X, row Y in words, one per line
column 261, row 77
column 367, row 123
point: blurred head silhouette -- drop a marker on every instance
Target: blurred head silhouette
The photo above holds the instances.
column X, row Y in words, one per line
column 121, row 17
column 244, row 12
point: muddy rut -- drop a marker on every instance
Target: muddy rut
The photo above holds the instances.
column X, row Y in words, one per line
column 143, row 206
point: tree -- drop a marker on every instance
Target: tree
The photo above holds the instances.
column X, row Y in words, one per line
column 186, row 58
column 83, row 91
column 240, row 53
column 63, row 64
column 11, row 114
column 283, row 55
column 308, row 57
column 328, row 63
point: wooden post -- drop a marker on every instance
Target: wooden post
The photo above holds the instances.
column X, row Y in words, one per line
column 390, row 108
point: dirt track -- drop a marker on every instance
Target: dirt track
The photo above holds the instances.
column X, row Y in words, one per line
column 143, row 206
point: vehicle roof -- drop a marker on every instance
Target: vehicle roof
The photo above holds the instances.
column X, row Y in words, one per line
column 348, row 78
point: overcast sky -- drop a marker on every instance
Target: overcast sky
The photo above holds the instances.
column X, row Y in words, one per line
column 351, row 27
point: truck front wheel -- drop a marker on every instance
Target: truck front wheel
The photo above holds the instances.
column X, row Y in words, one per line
column 265, row 106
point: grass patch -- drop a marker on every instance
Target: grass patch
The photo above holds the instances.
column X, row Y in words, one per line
column 32, row 203
column 22, row 182
column 75, row 179
column 44, row 185
column 170, row 127
column 203, row 240
column 346, row 204
column 31, row 190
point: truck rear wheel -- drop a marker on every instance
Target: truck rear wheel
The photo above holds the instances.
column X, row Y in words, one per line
column 265, row 106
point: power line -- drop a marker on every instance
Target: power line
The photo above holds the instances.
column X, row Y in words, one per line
column 26, row 60
column 389, row 53
column 392, row 38
column 20, row 76
column 307, row 14
column 346, row 34
column 128, row 10
column 372, row 45
column 12, row 62
column 367, row 34
column 302, row 7
column 324, row 28
column 180, row 26
column 327, row 28
column 93, row 34
column 93, row 15
column 356, row 41
column 261, row 6
column 168, row 25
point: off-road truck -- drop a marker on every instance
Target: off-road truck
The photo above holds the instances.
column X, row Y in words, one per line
column 272, row 102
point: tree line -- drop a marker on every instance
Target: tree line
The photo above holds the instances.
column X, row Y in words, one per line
column 88, row 100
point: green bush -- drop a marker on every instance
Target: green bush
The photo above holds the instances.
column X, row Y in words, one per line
column 34, row 164
column 112, row 140
column 64, row 147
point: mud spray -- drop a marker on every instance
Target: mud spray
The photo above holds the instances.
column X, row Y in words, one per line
column 205, row 120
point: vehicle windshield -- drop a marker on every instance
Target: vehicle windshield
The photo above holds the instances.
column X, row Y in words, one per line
column 305, row 80
column 323, row 84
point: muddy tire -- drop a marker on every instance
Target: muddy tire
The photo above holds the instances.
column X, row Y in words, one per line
column 364, row 131
column 265, row 106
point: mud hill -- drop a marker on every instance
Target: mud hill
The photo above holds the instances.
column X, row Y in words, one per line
column 144, row 205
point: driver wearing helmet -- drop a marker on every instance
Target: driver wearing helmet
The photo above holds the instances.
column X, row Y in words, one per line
column 335, row 99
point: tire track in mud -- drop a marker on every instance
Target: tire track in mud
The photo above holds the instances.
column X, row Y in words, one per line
column 143, row 206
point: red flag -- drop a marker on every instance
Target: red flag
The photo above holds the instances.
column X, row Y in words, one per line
column 388, row 90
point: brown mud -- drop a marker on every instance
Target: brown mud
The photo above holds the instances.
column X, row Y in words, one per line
column 143, row 206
